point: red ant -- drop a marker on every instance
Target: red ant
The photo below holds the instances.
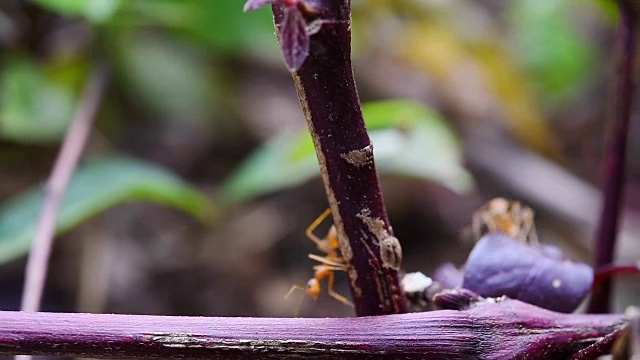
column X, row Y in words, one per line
column 329, row 263
column 507, row 216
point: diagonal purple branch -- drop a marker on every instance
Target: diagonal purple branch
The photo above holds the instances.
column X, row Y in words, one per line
column 329, row 99
column 505, row 330
column 615, row 151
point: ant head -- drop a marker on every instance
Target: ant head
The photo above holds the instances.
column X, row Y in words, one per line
column 499, row 205
column 313, row 288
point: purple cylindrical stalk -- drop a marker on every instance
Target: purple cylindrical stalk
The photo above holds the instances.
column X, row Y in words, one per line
column 508, row 329
column 615, row 151
column 327, row 92
column 607, row 272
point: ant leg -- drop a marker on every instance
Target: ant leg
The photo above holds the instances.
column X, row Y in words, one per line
column 299, row 307
column 334, row 294
column 528, row 226
column 516, row 208
column 476, row 226
column 522, row 217
column 293, row 288
column 480, row 219
column 327, row 269
column 326, row 261
column 492, row 223
column 319, row 242
column 533, row 235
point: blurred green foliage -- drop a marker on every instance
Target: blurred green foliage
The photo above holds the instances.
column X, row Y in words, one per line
column 163, row 51
column 403, row 133
column 174, row 60
column 220, row 23
column 520, row 67
column 557, row 55
column 96, row 11
column 36, row 102
column 192, row 91
column 96, row 186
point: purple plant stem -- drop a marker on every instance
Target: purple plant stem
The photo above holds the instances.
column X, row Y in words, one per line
column 328, row 96
column 509, row 329
column 615, row 152
column 607, row 272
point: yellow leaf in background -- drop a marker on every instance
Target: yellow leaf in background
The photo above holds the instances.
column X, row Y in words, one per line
column 455, row 64
column 518, row 104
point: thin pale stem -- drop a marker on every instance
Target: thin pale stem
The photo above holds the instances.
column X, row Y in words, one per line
column 63, row 169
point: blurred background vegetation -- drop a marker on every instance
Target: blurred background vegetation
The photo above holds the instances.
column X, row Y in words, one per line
column 199, row 180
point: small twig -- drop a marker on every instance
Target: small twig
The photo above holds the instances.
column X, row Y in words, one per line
column 607, row 272
column 508, row 329
column 65, row 164
column 615, row 151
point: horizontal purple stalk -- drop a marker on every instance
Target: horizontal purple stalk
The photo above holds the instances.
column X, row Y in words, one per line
column 508, row 329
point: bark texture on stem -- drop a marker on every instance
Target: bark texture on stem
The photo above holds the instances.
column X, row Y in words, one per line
column 506, row 330
column 328, row 95
column 616, row 149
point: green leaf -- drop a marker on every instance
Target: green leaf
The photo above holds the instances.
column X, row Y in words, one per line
column 186, row 88
column 409, row 140
column 34, row 106
column 218, row 23
column 96, row 187
column 96, row 11
column 555, row 52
